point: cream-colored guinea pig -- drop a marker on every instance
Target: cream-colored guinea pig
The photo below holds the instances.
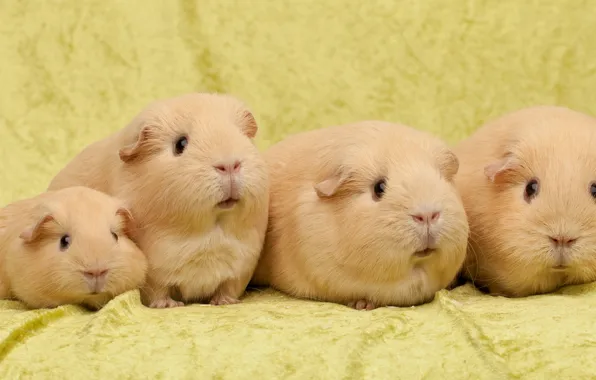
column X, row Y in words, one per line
column 198, row 187
column 72, row 246
column 364, row 215
column 528, row 182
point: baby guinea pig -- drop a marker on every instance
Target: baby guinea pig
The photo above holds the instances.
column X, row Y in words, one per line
column 364, row 214
column 72, row 246
column 198, row 187
column 528, row 182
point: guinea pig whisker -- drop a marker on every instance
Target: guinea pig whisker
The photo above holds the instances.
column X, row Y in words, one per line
column 474, row 253
column 495, row 278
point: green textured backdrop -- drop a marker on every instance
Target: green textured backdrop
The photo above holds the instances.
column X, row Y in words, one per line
column 73, row 71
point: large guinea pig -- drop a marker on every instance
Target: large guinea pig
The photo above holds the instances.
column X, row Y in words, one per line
column 72, row 246
column 198, row 187
column 364, row 214
column 528, row 182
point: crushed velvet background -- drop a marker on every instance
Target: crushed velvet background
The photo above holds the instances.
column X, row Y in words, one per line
column 73, row 71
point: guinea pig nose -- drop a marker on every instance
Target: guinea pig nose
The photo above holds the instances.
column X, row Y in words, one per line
column 228, row 167
column 562, row 240
column 95, row 273
column 426, row 217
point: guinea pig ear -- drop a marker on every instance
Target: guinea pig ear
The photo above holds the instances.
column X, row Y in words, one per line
column 247, row 123
column 140, row 148
column 34, row 232
column 498, row 171
column 331, row 184
column 448, row 164
column 129, row 225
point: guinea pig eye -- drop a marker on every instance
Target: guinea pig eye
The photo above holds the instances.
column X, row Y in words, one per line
column 531, row 190
column 593, row 189
column 180, row 145
column 379, row 188
column 115, row 236
column 64, row 242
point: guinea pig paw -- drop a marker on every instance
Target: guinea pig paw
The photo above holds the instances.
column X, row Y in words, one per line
column 165, row 303
column 220, row 299
column 362, row 305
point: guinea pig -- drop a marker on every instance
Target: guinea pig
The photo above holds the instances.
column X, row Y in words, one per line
column 199, row 189
column 71, row 246
column 528, row 183
column 364, row 215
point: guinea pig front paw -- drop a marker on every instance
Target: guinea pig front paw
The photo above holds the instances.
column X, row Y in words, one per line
column 362, row 305
column 165, row 303
column 221, row 299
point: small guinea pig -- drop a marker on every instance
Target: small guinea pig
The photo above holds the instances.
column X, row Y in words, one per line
column 364, row 214
column 72, row 246
column 528, row 182
column 199, row 189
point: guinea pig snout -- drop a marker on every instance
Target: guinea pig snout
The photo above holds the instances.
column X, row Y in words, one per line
column 96, row 279
column 562, row 240
column 426, row 217
column 426, row 220
column 230, row 175
column 562, row 250
column 228, row 167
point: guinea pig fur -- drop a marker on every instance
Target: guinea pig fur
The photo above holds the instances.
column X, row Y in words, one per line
column 199, row 189
column 72, row 246
column 528, row 182
column 364, row 214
